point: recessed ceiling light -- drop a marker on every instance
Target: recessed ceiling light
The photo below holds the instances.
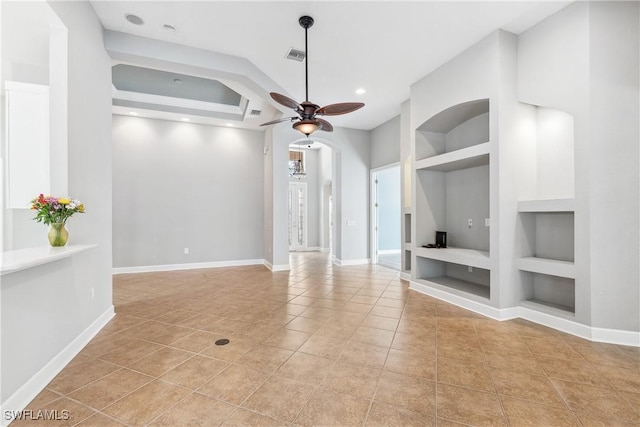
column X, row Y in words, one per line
column 230, row 125
column 134, row 19
column 133, row 113
column 361, row 91
column 185, row 119
column 169, row 27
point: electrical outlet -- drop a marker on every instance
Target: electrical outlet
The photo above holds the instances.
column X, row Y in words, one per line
column 487, row 222
column 186, row 251
column 350, row 223
column 470, row 269
column 469, row 223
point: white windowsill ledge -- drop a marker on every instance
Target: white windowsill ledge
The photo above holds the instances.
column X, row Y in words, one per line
column 21, row 259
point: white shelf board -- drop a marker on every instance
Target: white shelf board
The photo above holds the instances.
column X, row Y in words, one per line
column 550, row 205
column 407, row 246
column 551, row 267
column 458, row 287
column 475, row 155
column 406, row 210
column 21, row 259
column 470, row 257
column 549, row 308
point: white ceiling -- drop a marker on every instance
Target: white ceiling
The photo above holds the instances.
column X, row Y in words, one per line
column 381, row 46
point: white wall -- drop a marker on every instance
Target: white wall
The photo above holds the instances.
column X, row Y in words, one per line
column 34, row 50
column 47, row 308
column 181, row 185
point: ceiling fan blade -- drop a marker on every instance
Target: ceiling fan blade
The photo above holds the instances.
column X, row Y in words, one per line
column 324, row 125
column 273, row 122
column 285, row 100
column 341, row 108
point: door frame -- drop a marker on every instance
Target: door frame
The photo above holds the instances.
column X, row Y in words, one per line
column 304, row 247
column 373, row 212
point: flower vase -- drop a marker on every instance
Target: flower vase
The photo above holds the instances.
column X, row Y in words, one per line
column 58, row 234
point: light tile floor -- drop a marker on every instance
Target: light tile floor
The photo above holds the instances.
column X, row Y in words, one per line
column 326, row 345
column 392, row 261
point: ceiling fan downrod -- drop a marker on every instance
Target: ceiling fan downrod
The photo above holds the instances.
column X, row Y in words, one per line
column 306, row 22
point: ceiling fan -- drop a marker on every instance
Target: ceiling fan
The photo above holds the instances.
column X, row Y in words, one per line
column 307, row 121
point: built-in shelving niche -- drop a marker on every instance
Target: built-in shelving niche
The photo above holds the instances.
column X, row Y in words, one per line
column 452, row 171
column 407, row 261
column 547, row 263
column 452, row 176
column 454, row 278
column 407, row 228
column 550, row 294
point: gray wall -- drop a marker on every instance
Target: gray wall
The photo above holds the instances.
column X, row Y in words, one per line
column 385, row 143
column 325, row 168
column 181, row 185
column 595, row 47
column 45, row 308
column 350, row 185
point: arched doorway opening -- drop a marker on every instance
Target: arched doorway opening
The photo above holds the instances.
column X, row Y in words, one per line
column 310, row 199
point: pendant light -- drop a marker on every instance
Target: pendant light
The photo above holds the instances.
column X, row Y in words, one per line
column 298, row 167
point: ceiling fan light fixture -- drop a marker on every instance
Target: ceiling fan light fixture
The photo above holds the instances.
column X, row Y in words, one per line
column 308, row 111
column 306, row 127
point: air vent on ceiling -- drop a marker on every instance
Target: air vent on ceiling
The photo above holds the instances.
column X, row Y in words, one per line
column 296, row 55
column 255, row 112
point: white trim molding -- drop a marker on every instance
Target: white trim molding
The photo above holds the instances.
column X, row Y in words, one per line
column 344, row 262
column 610, row 336
column 405, row 276
column 189, row 266
column 28, row 391
column 277, row 267
column 468, row 304
column 389, row 251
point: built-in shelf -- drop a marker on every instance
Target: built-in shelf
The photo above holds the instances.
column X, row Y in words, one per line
column 458, row 287
column 470, row 257
column 550, row 205
column 21, row 259
column 549, row 308
column 476, row 155
column 407, row 246
column 551, row 267
column 407, row 227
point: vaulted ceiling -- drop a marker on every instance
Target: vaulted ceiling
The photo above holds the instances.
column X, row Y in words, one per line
column 380, row 46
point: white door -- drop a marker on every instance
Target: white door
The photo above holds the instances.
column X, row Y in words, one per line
column 297, row 216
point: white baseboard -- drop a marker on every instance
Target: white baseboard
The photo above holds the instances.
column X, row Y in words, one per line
column 616, row 336
column 188, row 266
column 343, row 262
column 565, row 325
column 611, row 336
column 25, row 394
column 389, row 251
column 277, row 267
column 468, row 304
column 405, row 276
